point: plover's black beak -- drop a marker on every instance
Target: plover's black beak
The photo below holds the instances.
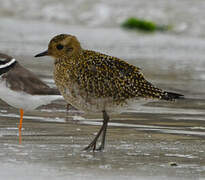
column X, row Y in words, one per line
column 45, row 53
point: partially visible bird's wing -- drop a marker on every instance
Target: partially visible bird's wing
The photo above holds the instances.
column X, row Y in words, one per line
column 21, row 79
column 106, row 76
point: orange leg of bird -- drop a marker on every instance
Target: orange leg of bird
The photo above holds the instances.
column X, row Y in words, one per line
column 21, row 119
column 20, row 136
column 20, row 124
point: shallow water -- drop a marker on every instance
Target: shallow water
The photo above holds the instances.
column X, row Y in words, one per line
column 141, row 142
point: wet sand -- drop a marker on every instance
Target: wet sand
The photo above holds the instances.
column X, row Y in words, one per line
column 139, row 145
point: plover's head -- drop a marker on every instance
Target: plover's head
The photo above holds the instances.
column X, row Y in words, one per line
column 62, row 46
column 6, row 63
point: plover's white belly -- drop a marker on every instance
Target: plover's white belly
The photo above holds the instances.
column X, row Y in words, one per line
column 24, row 100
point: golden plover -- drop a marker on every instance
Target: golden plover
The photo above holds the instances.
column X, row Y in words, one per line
column 95, row 82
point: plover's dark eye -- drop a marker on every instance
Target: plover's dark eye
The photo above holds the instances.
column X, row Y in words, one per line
column 59, row 46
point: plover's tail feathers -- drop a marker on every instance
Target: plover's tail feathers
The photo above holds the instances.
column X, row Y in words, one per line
column 171, row 96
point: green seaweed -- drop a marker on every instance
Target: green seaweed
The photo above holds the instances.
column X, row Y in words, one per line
column 144, row 25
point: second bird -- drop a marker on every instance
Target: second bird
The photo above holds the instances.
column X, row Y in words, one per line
column 95, row 82
column 22, row 89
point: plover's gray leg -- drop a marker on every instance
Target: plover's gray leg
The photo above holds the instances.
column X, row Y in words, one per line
column 103, row 129
column 106, row 119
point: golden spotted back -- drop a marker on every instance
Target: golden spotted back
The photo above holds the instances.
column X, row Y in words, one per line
column 103, row 76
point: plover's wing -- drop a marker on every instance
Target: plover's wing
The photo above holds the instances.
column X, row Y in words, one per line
column 106, row 76
column 21, row 79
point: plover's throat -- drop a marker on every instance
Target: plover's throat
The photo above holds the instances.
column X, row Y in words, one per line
column 5, row 66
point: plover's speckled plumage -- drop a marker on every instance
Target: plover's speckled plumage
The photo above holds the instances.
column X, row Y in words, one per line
column 95, row 82
column 21, row 88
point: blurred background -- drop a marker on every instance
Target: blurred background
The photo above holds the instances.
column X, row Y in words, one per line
column 173, row 59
